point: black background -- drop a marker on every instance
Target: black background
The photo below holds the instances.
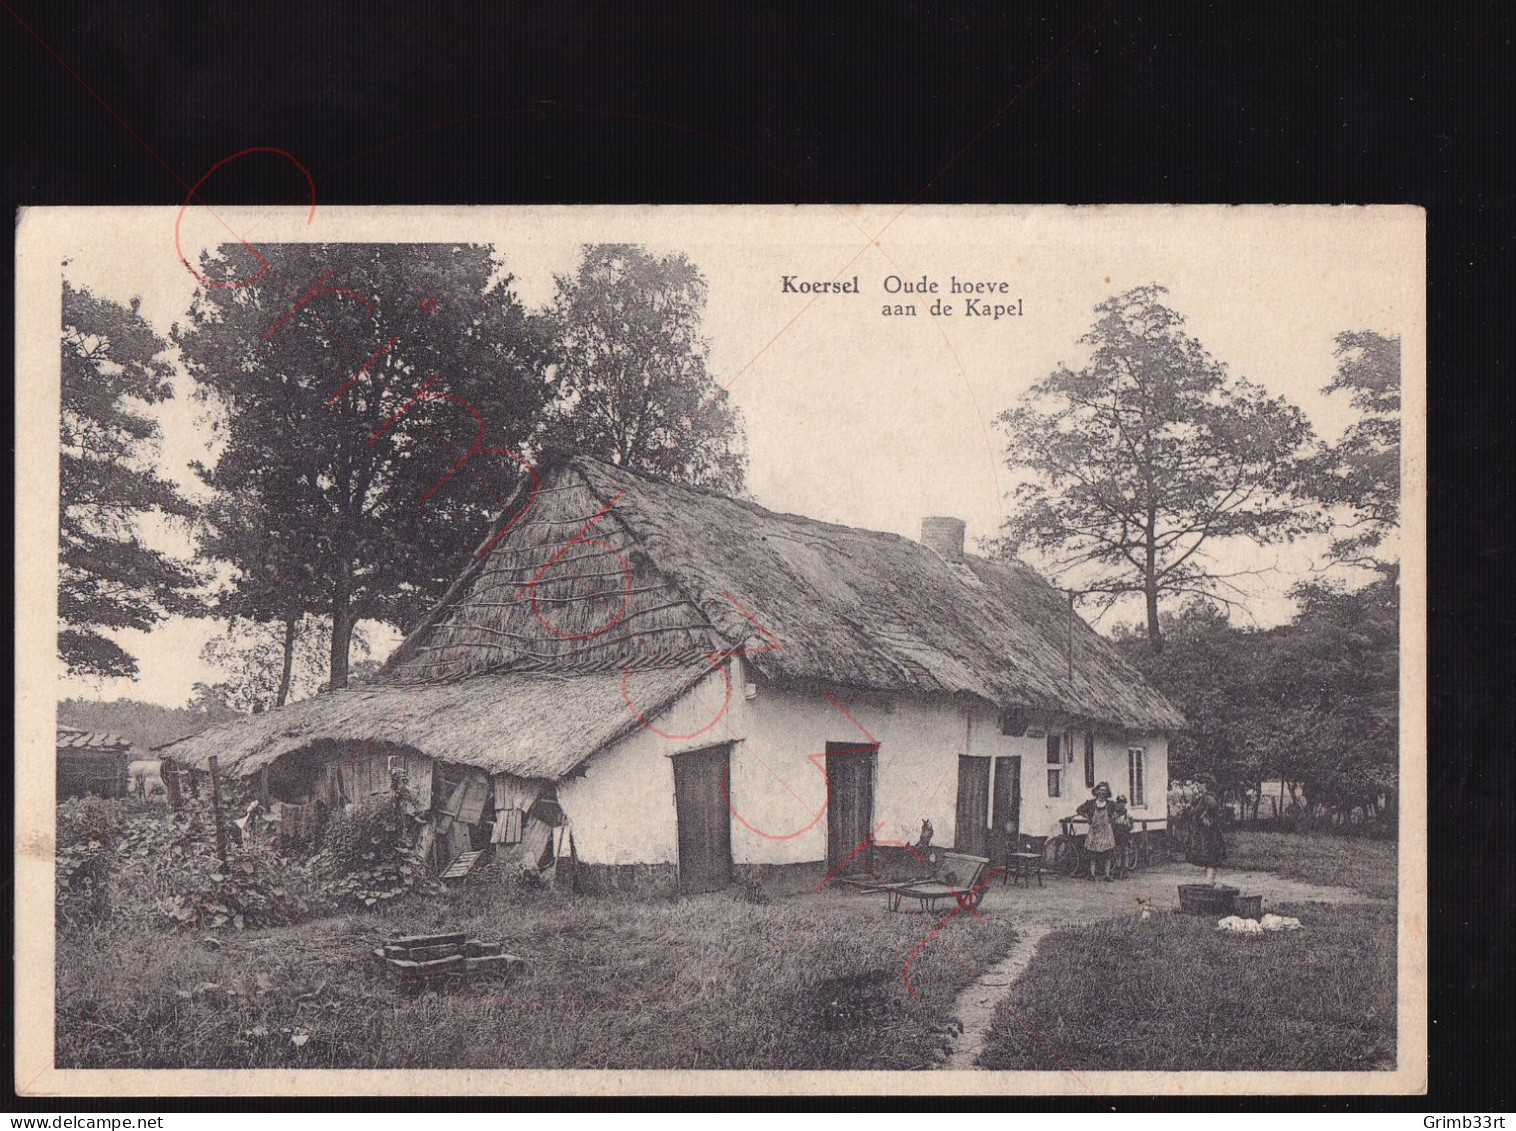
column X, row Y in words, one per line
column 789, row 102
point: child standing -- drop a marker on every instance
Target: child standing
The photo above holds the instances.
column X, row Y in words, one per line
column 1100, row 812
column 1122, row 821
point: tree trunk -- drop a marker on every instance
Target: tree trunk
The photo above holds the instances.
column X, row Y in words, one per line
column 1155, row 632
column 342, row 629
column 1150, row 581
column 291, row 624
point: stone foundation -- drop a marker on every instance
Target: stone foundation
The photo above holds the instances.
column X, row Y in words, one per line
column 780, row 879
column 656, row 880
column 648, row 879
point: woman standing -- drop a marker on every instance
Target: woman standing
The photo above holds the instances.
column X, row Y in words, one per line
column 1206, row 847
column 1101, row 814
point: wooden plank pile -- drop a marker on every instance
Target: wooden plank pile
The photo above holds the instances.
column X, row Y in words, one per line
column 451, row 959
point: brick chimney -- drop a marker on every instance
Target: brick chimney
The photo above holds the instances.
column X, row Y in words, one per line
column 944, row 536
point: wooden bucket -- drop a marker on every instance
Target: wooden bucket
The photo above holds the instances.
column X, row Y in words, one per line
column 1247, row 906
column 1206, row 899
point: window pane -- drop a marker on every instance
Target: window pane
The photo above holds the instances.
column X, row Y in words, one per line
column 1134, row 768
column 1053, row 776
column 1055, row 750
column 1089, row 758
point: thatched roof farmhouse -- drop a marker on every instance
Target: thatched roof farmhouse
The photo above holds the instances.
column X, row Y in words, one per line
column 648, row 676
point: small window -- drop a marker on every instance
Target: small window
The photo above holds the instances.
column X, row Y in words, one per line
column 1055, row 765
column 1135, row 773
column 1089, row 758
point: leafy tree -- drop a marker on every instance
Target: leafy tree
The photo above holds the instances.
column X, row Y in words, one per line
column 270, row 587
column 1211, row 670
column 632, row 370
column 210, row 700
column 1148, row 455
column 113, row 368
column 371, row 397
column 1313, row 703
column 1361, row 472
column 269, row 662
column 1334, row 681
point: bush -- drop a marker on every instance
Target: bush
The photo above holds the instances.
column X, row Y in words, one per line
column 368, row 855
column 168, row 868
column 252, row 889
column 88, row 830
column 85, row 819
column 135, row 859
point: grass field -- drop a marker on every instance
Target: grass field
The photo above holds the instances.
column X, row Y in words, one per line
column 1356, row 862
column 1174, row 993
column 707, row 982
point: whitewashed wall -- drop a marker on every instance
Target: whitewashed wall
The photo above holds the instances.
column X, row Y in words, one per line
column 1040, row 813
column 622, row 809
column 778, row 789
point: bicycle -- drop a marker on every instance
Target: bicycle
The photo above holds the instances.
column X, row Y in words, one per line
column 1068, row 856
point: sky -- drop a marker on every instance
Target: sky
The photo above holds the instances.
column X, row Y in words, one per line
column 853, row 416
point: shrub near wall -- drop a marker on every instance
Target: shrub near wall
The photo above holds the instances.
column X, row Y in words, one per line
column 167, row 869
column 88, row 831
column 368, row 854
column 121, row 858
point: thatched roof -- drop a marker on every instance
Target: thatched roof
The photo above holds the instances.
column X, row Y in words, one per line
column 607, row 575
column 663, row 573
column 532, row 724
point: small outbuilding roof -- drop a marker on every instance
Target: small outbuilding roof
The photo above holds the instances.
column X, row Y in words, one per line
column 71, row 738
column 531, row 724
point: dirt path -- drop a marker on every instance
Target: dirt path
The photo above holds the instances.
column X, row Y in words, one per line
column 1036, row 912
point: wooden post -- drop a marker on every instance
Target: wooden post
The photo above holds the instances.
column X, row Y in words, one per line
column 171, row 785
column 263, row 798
column 216, row 809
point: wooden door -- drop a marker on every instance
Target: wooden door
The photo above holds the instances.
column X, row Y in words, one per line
column 704, row 818
column 972, row 824
column 1007, row 809
column 850, row 807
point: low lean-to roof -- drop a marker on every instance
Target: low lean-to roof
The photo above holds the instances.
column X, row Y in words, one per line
column 846, row 608
column 532, row 724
